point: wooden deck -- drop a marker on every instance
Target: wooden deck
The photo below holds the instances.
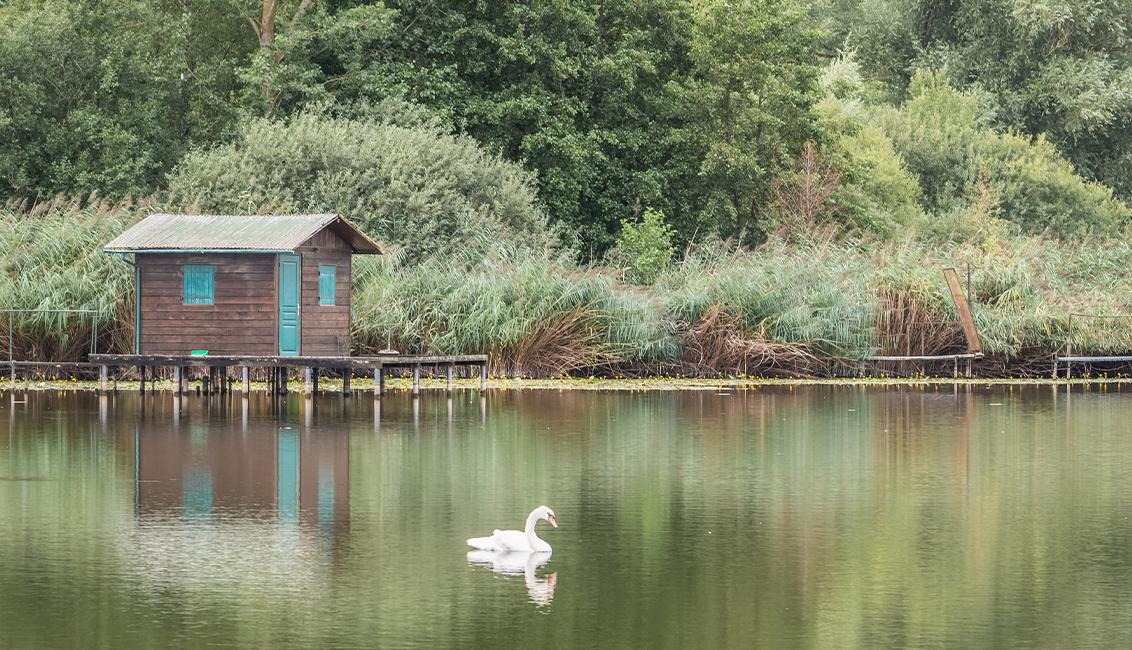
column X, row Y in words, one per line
column 953, row 358
column 255, row 361
column 278, row 366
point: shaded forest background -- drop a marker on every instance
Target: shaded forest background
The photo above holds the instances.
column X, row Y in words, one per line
column 674, row 186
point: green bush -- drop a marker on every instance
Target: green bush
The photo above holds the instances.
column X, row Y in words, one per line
column 644, row 248
column 413, row 186
column 1039, row 190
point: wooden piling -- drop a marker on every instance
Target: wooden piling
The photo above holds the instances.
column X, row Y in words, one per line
column 245, row 380
column 176, row 380
column 483, row 377
column 308, row 382
column 379, row 381
column 448, row 378
column 347, row 374
column 103, row 373
column 141, row 380
column 416, row 379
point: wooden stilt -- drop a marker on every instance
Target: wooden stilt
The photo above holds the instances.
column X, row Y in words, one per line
column 141, row 380
column 283, row 380
column 103, row 372
column 176, row 380
column 245, row 380
column 483, row 377
column 308, row 381
column 448, row 378
column 416, row 379
column 379, row 375
column 347, row 374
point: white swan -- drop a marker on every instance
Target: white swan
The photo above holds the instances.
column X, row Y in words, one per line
column 513, row 540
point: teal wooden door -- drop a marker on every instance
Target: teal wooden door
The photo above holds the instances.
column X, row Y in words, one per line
column 289, row 280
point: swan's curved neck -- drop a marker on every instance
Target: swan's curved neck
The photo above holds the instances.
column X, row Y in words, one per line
column 532, row 519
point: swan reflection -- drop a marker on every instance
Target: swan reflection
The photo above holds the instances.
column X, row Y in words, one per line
column 540, row 591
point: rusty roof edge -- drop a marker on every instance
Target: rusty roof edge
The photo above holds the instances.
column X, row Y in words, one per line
column 359, row 234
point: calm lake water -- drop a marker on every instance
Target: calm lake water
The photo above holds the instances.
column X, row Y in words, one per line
column 811, row 517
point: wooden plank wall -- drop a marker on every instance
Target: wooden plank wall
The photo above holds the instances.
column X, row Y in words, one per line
column 243, row 319
column 325, row 328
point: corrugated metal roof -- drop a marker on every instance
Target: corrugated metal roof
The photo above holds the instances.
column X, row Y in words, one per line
column 211, row 232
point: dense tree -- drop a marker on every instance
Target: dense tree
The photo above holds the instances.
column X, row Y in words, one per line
column 706, row 111
column 1053, row 67
column 106, row 96
column 617, row 105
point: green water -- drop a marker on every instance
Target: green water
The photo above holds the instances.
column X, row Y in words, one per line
column 823, row 517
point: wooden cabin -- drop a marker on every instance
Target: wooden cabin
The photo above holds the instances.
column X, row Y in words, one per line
column 243, row 285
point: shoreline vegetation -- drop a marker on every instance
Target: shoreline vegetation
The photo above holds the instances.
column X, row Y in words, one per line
column 702, row 189
column 793, row 307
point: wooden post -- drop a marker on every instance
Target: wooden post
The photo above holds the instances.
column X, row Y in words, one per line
column 379, row 381
column 970, row 365
column 347, row 374
column 308, row 384
column 955, row 368
column 141, row 380
column 176, row 380
column 245, row 379
column 483, row 376
column 283, row 380
column 314, row 380
column 974, row 346
column 448, row 378
column 103, row 373
column 416, row 379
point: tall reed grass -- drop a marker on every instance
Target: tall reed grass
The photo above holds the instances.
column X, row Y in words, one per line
column 53, row 265
column 791, row 307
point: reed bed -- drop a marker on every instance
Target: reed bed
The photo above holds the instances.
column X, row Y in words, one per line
column 789, row 308
column 53, row 269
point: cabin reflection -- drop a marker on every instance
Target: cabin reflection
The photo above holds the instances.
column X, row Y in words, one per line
column 204, row 467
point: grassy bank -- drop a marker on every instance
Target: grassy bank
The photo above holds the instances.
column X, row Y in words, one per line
column 790, row 308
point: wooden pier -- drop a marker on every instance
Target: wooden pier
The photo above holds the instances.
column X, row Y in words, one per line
column 278, row 367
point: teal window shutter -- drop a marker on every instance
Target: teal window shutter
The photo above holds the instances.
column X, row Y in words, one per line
column 198, row 289
column 327, row 274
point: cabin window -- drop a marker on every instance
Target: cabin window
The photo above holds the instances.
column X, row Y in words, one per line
column 198, row 288
column 327, row 274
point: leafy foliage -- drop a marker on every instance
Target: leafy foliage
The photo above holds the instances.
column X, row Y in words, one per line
column 1053, row 67
column 106, row 96
column 644, row 248
column 423, row 189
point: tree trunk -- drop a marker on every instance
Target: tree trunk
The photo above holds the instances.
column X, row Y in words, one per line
column 264, row 30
